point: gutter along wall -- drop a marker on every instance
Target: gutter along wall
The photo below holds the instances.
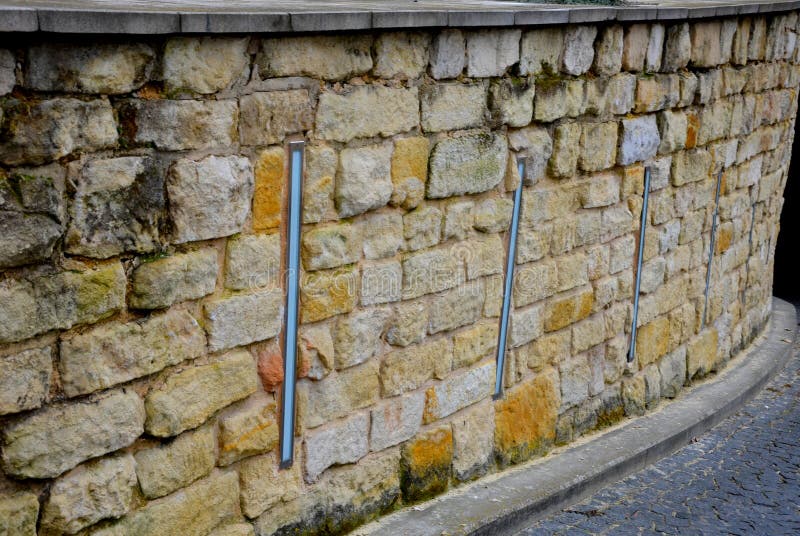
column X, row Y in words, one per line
column 143, row 198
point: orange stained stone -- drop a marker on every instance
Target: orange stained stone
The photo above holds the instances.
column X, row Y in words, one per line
column 270, row 366
column 267, row 199
column 693, row 126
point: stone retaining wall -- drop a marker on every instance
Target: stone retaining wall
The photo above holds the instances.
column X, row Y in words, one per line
column 142, row 197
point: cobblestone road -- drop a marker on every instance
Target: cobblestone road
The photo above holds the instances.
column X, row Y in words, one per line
column 743, row 478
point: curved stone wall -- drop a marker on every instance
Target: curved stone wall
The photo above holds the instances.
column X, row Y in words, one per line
column 142, row 200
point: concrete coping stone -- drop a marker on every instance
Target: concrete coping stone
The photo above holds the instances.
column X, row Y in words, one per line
column 298, row 16
column 503, row 503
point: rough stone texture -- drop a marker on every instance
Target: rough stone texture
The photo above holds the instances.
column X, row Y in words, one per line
column 209, row 198
column 51, row 441
column 321, row 164
column 337, row 396
column 330, row 57
column 493, row 215
column 639, row 140
column 458, row 392
column 447, row 54
column 96, row 68
column 51, row 129
column 701, row 354
column 430, row 271
column 536, row 146
column 540, row 50
column 358, row 336
column 401, row 55
column 204, row 64
column 491, row 52
column 366, row 111
column 408, row 325
column 325, row 294
column 243, row 319
column 678, row 48
column 396, row 420
column 690, row 166
column 252, row 261
column 8, row 66
column 598, row 146
column 511, row 102
column 18, row 514
column 608, row 52
column 578, row 49
column 264, row 485
column 473, row 442
column 566, row 149
column 29, row 307
column 175, row 125
column 249, row 430
column 97, row 490
column 166, row 468
column 409, row 368
column 331, row 246
column 163, row 282
column 635, row 47
column 118, row 352
column 189, row 397
column 409, row 171
column 342, row 442
column 470, row 164
column 268, row 117
column 381, row 282
column 457, row 307
column 425, row 463
column 453, row 106
column 364, row 180
column 235, row 529
column 471, row 345
column 25, row 379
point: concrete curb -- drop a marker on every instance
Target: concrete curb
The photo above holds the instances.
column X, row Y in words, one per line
column 501, row 504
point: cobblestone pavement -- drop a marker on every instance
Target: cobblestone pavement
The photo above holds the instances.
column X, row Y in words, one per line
column 743, row 477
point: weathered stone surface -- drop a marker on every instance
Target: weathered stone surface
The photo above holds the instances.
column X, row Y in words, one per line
column 673, row 126
column 31, row 218
column 608, row 54
column 117, row 352
column 566, row 310
column 534, row 282
column 486, row 256
column 536, row 146
column 8, row 78
column 409, row 368
column 48, row 130
column 244, row 318
column 678, row 48
column 598, row 147
column 409, row 171
column 248, row 430
column 396, row 420
column 491, row 52
column 470, row 164
column 492, row 215
column 166, row 468
column 270, row 180
column 195, row 510
column 25, row 379
column 473, row 442
column 672, row 368
column 447, row 54
column 234, row 529
column 191, row 396
column 408, row 325
column 471, row 345
column 707, row 46
column 381, row 282
column 701, row 354
column 691, row 166
column 453, row 106
column 425, row 464
column 430, row 271
column 402, row 55
column 47, row 443
column 18, row 514
column 263, row 484
column 422, row 228
column 252, row 261
column 565, row 98
column 655, row 47
column 209, row 198
column 176, row 125
column 540, row 50
column 59, row 301
column 344, row 441
column 511, row 102
column 455, row 308
column 635, row 47
column 321, row 164
column 566, row 149
column 365, row 112
column 205, row 64
column 458, row 220
column 332, row 57
column 358, row 336
column 382, row 234
column 600, row 190
column 639, row 140
column 185, row 276
column 525, row 420
column 526, row 325
column 331, row 246
column 578, row 49
column 267, row 117
column 336, row 396
column 97, row 68
column 652, row 340
column 364, row 181
column 328, row 293
column 459, row 391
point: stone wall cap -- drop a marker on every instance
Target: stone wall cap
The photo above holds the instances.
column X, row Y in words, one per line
column 141, row 17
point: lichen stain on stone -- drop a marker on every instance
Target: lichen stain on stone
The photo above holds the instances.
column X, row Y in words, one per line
column 425, row 465
column 269, row 173
column 693, row 127
column 431, row 405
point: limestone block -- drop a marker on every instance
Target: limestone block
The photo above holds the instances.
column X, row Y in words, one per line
column 707, row 44
column 49, row 442
column 578, row 49
column 430, row 271
column 540, row 50
column 108, row 68
column 447, row 55
column 455, row 308
column 331, row 246
column 564, row 310
column 195, row 510
column 18, row 514
column 635, row 45
column 608, row 52
column 536, row 147
column 691, row 166
column 740, row 42
column 458, row 220
column 365, row 112
column 205, row 64
column 248, row 430
column 425, row 463
column 328, row 293
column 381, row 282
column 264, row 485
column 173, row 279
column 492, row 215
column 408, row 369
column 511, row 102
column 598, row 146
column 614, row 95
column 118, row 352
column 268, row 117
column 209, row 198
column 452, row 106
column 409, row 171
column 8, row 78
column 339, row 395
column 252, row 261
column 169, row 467
column 492, row 52
column 458, row 392
column 176, row 125
column 473, row 442
column 701, row 354
column 330, row 57
column 552, row 101
column 526, row 325
column 32, row 306
column 51, row 129
column 364, row 179
column 566, row 149
column 422, row 228
column 715, row 121
column 188, row 398
column 474, row 343
column 655, row 47
column 408, row 324
column 673, row 127
column 639, row 140
column 396, row 420
column 572, row 270
column 486, row 256
column 234, row 529
column 321, row 164
column 382, row 234
column 534, row 282
column 600, row 190
column 677, row 49
column 243, row 318
column 344, row 441
column 402, row 55
column 673, row 372
column 657, row 92
column 588, row 333
column 25, row 379
column 358, row 336
column 270, row 179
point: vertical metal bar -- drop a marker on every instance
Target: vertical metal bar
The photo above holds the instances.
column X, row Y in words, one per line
column 642, row 229
column 296, row 152
column 711, row 248
column 511, row 260
column 749, row 254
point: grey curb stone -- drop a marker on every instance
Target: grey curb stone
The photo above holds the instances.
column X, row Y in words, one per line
column 544, row 16
column 409, row 19
column 503, row 505
column 235, row 23
column 18, row 20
